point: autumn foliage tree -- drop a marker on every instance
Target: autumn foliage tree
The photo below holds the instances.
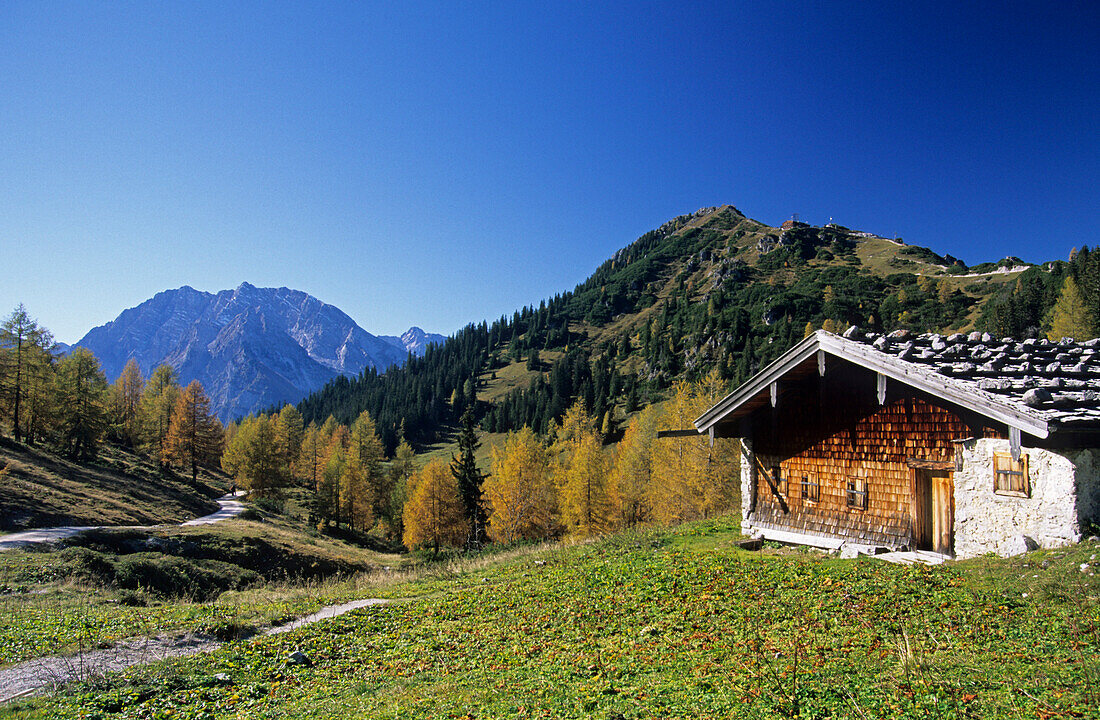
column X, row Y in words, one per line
column 26, row 342
column 158, row 401
column 82, row 404
column 194, row 435
column 254, row 456
column 632, row 473
column 581, row 474
column 1071, row 317
column 519, row 493
column 691, row 478
column 126, row 403
column 434, row 515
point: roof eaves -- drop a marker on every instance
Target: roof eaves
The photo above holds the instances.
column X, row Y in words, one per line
column 965, row 395
column 774, row 370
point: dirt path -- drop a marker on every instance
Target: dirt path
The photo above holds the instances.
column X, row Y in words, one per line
column 35, row 676
column 230, row 507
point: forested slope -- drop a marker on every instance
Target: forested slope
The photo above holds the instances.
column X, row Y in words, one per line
column 713, row 289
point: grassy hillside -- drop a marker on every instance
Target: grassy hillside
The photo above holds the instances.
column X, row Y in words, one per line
column 223, row 580
column 43, row 489
column 678, row 623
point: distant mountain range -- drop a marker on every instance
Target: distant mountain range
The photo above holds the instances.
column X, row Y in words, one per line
column 251, row 348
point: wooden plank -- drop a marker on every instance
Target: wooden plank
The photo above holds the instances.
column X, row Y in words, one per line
column 677, row 433
column 925, row 464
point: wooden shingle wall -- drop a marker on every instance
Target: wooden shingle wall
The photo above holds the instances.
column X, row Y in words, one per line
column 832, row 429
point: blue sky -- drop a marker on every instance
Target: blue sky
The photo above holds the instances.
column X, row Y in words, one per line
column 441, row 163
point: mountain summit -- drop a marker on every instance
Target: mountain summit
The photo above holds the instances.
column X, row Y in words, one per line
column 251, row 347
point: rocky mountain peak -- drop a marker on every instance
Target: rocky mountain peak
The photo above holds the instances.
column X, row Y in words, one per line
column 250, row 347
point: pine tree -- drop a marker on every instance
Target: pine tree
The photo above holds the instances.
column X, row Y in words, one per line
column 469, row 478
column 194, row 435
column 434, row 515
column 1070, row 317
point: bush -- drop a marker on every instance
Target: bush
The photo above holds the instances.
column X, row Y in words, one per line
column 168, row 576
column 87, row 565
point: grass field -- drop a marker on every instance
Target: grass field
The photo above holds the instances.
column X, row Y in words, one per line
column 675, row 623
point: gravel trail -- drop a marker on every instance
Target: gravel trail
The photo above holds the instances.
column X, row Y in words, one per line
column 230, row 507
column 42, row 674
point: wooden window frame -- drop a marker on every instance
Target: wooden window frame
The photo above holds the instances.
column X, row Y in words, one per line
column 1005, row 470
column 810, row 488
column 857, row 493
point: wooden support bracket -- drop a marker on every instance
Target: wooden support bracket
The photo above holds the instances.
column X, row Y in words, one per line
column 1014, row 443
column 775, row 393
column 821, row 363
column 881, row 386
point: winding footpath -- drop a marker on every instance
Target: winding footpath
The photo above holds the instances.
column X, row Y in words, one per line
column 34, row 676
column 230, row 507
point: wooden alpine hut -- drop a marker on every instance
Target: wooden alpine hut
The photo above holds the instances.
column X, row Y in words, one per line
column 959, row 445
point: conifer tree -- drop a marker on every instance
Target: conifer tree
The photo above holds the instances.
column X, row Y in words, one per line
column 434, row 514
column 311, row 455
column 402, row 470
column 519, row 493
column 82, row 404
column 1070, row 317
column 371, row 482
column 690, row 477
column 20, row 335
column 633, row 469
column 469, row 478
column 39, row 402
column 158, row 400
column 290, row 430
column 581, row 474
column 194, row 435
column 126, row 402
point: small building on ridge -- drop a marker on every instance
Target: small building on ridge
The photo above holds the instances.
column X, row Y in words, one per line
column 960, row 445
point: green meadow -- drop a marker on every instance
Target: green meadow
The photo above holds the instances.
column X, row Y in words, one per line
column 677, row 623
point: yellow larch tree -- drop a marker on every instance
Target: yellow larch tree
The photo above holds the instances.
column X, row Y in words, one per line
column 581, row 474
column 435, row 515
column 194, row 434
column 692, row 478
column 519, row 494
column 1070, row 316
column 126, row 402
column 633, row 469
column 157, row 402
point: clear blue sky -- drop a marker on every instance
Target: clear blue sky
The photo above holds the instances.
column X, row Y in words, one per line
column 441, row 163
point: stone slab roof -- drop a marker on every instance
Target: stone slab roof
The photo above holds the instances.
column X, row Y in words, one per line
column 1035, row 386
column 1059, row 379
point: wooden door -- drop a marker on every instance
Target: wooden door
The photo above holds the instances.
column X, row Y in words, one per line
column 933, row 510
column 943, row 512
